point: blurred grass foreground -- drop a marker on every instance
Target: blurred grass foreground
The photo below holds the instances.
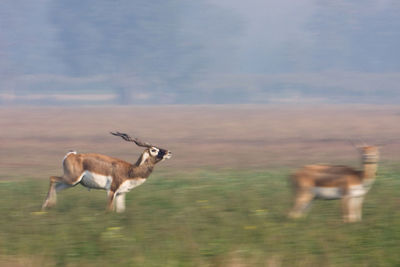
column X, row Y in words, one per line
column 203, row 218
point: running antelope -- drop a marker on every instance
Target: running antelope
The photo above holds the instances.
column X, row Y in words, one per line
column 103, row 172
column 336, row 182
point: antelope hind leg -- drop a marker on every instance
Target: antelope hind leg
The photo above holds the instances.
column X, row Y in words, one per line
column 56, row 184
column 301, row 204
column 51, row 198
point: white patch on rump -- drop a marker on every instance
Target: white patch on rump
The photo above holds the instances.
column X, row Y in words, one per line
column 69, row 153
column 328, row 192
column 128, row 185
column 96, row 181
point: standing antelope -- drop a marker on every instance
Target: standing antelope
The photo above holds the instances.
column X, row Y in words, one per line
column 336, row 182
column 103, row 172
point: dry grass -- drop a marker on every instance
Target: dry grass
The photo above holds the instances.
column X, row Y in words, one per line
column 34, row 140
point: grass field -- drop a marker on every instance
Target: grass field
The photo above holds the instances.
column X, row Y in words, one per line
column 220, row 201
column 201, row 218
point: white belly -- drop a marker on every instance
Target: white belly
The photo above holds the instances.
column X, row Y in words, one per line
column 96, row 181
column 328, row 192
column 335, row 192
column 357, row 190
column 128, row 185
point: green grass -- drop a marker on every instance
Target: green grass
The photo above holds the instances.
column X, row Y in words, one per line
column 198, row 218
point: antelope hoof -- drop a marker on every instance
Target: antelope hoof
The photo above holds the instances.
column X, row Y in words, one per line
column 295, row 215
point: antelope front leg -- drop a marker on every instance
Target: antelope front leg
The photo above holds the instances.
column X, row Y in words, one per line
column 359, row 208
column 352, row 209
column 345, row 208
column 120, row 202
column 110, row 201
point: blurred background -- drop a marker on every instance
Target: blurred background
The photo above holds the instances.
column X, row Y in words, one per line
column 199, row 52
column 242, row 92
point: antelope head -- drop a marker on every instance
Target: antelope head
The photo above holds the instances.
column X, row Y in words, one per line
column 369, row 154
column 151, row 154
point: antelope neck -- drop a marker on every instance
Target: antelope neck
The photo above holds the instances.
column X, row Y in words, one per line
column 370, row 170
column 142, row 171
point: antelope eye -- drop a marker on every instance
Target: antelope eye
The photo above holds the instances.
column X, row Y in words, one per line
column 153, row 151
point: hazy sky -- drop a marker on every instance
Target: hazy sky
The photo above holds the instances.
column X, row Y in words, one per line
column 268, row 26
column 310, row 35
column 210, row 51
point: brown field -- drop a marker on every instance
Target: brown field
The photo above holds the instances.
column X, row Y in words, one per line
column 34, row 140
